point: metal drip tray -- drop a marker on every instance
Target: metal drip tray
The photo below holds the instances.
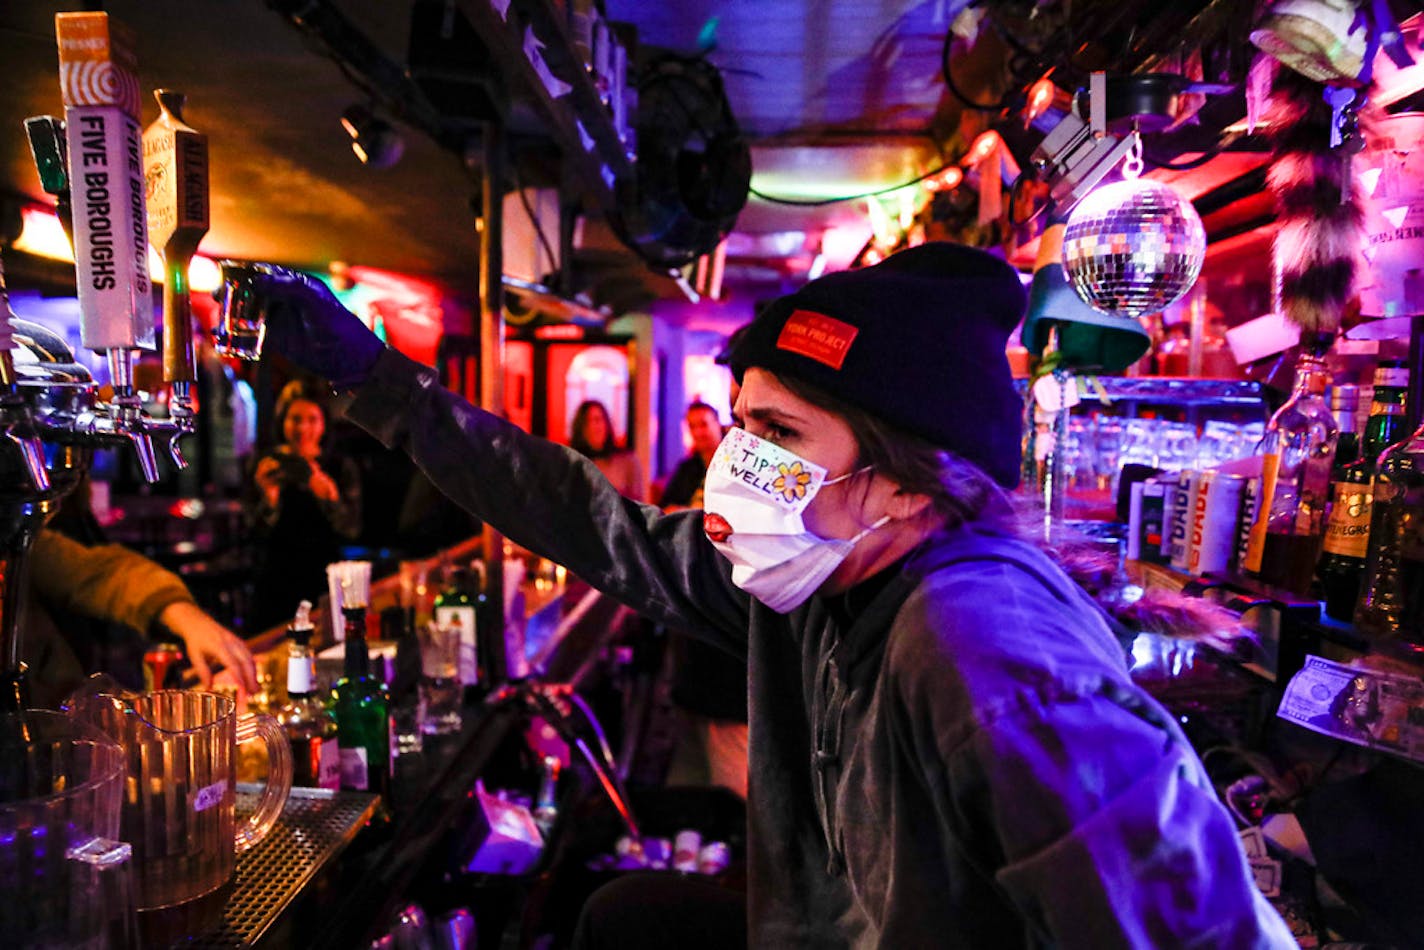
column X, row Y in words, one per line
column 315, row 826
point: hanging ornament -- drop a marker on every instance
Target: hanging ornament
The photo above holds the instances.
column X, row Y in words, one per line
column 1317, row 212
column 1133, row 247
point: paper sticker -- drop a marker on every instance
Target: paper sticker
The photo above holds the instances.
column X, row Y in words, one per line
column 208, row 796
column 353, row 768
column 328, row 773
column 1053, row 394
column 817, row 337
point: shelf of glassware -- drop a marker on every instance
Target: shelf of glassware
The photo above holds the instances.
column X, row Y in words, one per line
column 1172, row 390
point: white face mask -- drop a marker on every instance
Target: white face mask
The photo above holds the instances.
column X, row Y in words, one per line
column 754, row 497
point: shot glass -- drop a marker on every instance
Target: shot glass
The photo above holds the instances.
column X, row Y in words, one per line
column 241, row 324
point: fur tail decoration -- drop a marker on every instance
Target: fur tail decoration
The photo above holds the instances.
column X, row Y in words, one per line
column 1319, row 237
column 1157, row 611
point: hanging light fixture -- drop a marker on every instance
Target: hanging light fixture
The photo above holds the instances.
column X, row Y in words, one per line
column 374, row 140
column 1135, row 246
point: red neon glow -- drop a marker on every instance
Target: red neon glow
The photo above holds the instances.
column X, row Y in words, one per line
column 559, row 331
column 397, row 288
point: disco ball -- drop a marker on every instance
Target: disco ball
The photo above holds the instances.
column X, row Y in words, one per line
column 1133, row 247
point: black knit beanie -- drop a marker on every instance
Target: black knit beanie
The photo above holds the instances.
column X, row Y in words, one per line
column 916, row 340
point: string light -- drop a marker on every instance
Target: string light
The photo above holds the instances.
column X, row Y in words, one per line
column 1040, row 97
column 984, row 146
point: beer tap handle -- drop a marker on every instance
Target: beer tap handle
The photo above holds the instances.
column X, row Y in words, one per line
column 175, row 168
column 51, row 155
column 176, row 172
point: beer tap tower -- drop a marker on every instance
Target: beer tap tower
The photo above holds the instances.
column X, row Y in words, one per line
column 93, row 163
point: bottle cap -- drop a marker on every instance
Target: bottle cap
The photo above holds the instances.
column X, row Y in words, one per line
column 301, row 628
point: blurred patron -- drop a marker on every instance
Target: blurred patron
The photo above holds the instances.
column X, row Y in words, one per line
column 684, row 488
column 304, row 503
column 593, row 437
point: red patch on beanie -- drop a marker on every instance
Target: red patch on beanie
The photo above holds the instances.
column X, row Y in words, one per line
column 817, row 337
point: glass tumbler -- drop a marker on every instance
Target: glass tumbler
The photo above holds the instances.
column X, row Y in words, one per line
column 440, row 690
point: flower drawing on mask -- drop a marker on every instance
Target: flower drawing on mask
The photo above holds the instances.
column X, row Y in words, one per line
column 791, row 483
column 716, row 527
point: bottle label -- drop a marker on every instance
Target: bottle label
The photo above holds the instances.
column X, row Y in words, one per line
column 354, row 774
column 299, row 674
column 1348, row 531
column 1386, row 409
column 1265, row 501
column 1395, row 376
column 328, row 773
column 1313, row 496
column 463, row 619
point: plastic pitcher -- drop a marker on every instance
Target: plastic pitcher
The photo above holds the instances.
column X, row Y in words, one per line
column 63, row 876
column 178, row 802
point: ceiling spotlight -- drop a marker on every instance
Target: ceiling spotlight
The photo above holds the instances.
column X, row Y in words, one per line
column 374, row 140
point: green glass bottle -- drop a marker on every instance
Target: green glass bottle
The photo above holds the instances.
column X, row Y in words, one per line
column 361, row 706
column 1347, row 533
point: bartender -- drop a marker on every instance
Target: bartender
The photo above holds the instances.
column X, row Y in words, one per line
column 946, row 746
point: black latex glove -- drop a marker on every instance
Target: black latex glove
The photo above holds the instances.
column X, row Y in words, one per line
column 308, row 325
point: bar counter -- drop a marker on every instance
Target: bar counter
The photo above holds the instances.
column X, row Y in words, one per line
column 297, row 889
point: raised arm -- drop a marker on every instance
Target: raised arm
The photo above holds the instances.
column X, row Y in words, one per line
column 542, row 496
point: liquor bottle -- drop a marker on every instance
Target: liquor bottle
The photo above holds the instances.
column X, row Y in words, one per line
column 361, row 707
column 1299, row 449
column 1344, row 400
column 310, row 728
column 1391, row 607
column 1347, row 534
column 459, row 605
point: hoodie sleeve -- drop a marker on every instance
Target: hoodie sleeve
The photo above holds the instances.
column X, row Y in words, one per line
column 1083, row 801
column 106, row 582
column 551, row 500
column 1111, row 834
